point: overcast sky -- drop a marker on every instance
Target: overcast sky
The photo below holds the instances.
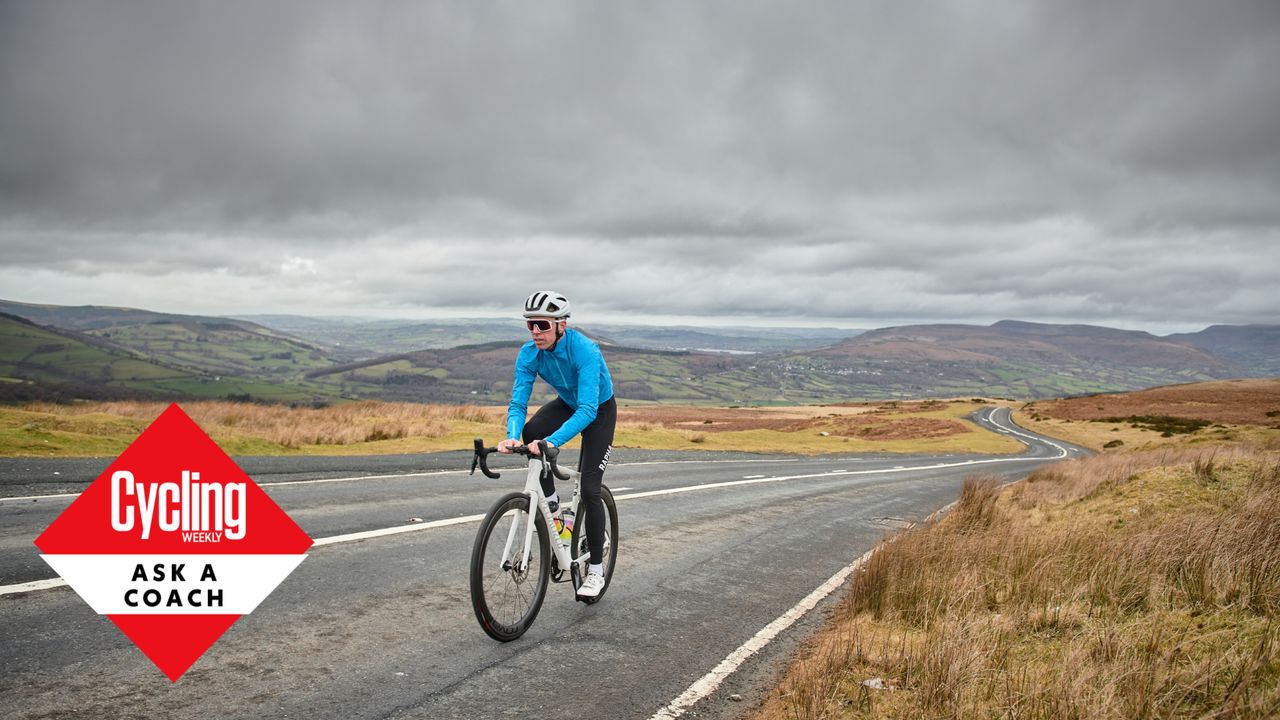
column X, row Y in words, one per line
column 824, row 163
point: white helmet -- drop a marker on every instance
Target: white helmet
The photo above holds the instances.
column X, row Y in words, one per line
column 546, row 303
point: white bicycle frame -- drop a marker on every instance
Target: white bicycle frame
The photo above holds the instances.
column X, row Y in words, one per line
column 533, row 488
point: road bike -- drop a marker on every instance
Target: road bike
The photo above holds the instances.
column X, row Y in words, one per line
column 518, row 548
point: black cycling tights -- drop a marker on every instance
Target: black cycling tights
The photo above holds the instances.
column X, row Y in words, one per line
column 597, row 444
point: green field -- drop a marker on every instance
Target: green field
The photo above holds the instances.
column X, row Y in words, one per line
column 64, row 365
column 119, row 353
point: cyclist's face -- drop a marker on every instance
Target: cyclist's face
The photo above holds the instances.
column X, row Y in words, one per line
column 542, row 338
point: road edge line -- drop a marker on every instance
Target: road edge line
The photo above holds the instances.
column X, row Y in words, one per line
column 707, row 684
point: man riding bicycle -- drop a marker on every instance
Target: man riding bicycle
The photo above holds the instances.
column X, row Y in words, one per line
column 574, row 366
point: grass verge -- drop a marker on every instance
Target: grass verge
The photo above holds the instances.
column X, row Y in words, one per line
column 248, row 429
column 107, row 428
column 1127, row 585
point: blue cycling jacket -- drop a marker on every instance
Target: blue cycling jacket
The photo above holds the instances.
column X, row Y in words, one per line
column 575, row 368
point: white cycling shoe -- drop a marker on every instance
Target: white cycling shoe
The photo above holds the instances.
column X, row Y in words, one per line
column 592, row 586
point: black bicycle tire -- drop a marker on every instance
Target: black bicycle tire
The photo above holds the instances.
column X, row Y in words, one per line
column 578, row 544
column 496, row 629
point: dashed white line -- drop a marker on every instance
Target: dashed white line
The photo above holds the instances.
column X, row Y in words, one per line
column 360, row 477
column 396, row 530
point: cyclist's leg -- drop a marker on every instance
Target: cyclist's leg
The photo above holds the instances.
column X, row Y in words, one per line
column 597, row 446
column 547, row 420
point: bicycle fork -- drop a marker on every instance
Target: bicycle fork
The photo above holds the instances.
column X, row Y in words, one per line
column 533, row 489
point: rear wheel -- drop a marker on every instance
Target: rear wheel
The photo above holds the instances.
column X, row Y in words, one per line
column 578, row 544
column 506, row 593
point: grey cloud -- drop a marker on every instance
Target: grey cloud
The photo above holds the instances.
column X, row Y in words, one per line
column 739, row 158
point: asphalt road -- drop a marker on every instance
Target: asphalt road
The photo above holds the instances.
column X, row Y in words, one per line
column 382, row 627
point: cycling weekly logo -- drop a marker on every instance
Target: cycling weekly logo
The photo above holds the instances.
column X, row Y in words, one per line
column 173, row 542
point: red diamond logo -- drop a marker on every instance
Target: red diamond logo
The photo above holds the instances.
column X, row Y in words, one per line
column 173, row 542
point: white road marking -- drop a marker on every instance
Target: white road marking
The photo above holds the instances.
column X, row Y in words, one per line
column 39, row 497
column 278, row 483
column 359, row 477
column 32, row 586
column 704, row 462
column 319, row 542
column 421, row 474
column 752, row 477
column 398, row 529
column 707, row 684
column 832, row 473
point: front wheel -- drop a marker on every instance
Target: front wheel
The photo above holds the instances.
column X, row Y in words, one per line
column 578, row 544
column 506, row 593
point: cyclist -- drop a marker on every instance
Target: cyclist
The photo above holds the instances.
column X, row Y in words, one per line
column 574, row 366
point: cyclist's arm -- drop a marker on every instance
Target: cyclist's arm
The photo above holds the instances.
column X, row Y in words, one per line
column 588, row 400
column 521, row 388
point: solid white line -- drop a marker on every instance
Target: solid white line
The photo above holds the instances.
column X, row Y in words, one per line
column 40, row 497
column 707, row 684
column 32, row 586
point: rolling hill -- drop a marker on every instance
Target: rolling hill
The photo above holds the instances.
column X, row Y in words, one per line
column 120, row 350
column 1009, row 358
column 1253, row 348
column 43, row 363
column 362, row 338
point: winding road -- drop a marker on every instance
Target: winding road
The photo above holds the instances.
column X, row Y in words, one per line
column 720, row 557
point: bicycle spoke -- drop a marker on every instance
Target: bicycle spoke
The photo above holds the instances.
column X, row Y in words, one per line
column 507, row 600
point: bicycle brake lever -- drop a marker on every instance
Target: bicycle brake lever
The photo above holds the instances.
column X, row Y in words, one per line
column 481, row 459
column 551, row 452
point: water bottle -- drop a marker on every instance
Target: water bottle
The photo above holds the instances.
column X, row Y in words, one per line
column 566, row 527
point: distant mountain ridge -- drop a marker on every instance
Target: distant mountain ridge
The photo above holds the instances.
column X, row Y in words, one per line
column 296, row 359
column 98, row 317
column 1017, row 340
column 1021, row 359
column 1253, row 347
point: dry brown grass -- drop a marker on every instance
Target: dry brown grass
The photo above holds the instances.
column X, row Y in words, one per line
column 377, row 427
column 721, row 419
column 1245, row 412
column 1232, row 402
column 880, row 421
column 292, row 428
column 1120, row 586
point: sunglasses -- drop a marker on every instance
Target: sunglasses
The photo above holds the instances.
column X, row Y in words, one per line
column 538, row 325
